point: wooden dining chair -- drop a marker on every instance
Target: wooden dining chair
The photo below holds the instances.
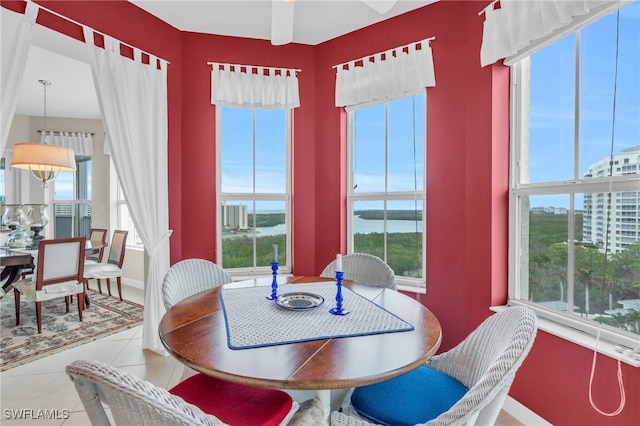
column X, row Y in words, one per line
column 58, row 273
column 112, row 268
column 199, row 400
column 97, row 234
column 364, row 268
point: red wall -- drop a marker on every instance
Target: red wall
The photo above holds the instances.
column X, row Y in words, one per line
column 467, row 147
column 467, row 175
column 198, row 133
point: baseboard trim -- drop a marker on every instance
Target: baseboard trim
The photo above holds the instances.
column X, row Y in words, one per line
column 133, row 283
column 523, row 414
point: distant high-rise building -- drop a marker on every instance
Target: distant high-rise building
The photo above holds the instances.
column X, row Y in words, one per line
column 234, row 216
column 621, row 211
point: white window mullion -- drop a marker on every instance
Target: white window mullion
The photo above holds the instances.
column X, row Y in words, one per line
column 576, row 175
column 374, row 189
column 386, row 183
column 253, row 152
column 571, row 257
column 253, row 228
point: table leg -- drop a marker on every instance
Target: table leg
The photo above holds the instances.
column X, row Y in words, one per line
column 10, row 273
column 324, row 396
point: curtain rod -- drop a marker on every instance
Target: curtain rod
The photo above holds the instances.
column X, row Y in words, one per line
column 53, row 12
column 255, row 66
column 65, row 131
column 374, row 54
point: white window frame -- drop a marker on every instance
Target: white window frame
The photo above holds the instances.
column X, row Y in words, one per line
column 133, row 238
column 3, row 181
column 404, row 283
column 607, row 340
column 75, row 202
column 284, row 256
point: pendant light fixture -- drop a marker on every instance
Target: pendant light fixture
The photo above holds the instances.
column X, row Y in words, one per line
column 44, row 161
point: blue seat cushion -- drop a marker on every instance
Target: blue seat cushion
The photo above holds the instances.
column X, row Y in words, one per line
column 415, row 397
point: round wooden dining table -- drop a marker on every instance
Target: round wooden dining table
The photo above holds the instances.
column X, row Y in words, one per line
column 194, row 331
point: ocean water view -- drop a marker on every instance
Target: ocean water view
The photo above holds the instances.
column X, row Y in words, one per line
column 362, row 226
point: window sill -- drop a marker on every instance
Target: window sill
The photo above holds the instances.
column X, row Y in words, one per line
column 244, row 275
column 627, row 355
column 412, row 289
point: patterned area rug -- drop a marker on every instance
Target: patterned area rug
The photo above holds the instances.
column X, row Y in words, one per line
column 22, row 344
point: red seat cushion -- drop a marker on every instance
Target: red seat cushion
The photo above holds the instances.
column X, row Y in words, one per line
column 235, row 404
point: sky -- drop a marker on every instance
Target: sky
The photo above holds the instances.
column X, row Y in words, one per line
column 552, row 99
column 238, row 150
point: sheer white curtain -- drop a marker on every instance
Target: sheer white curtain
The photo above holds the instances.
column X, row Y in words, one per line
column 81, row 143
column 518, row 28
column 239, row 86
column 133, row 100
column 396, row 73
column 17, row 32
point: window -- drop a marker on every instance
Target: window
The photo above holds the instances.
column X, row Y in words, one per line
column 386, row 196
column 2, row 181
column 568, row 199
column 72, row 201
column 253, row 188
column 125, row 222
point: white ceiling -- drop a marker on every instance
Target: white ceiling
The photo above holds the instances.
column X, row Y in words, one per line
column 314, row 21
column 63, row 61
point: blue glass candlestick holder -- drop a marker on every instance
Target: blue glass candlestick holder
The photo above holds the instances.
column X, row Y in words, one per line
column 274, row 283
column 338, row 310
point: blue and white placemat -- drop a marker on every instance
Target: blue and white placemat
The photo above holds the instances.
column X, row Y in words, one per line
column 254, row 321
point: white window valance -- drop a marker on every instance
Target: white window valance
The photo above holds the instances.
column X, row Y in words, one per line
column 519, row 28
column 392, row 74
column 81, row 143
column 250, row 86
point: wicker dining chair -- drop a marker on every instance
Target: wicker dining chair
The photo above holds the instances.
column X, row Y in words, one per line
column 364, row 268
column 466, row 385
column 199, row 400
column 188, row 277
column 191, row 276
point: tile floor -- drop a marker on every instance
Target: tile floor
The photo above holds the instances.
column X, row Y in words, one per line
column 43, row 384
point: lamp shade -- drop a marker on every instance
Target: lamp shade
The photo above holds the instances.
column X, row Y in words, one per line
column 44, row 161
column 42, row 157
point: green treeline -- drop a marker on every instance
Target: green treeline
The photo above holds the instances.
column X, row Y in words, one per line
column 547, row 228
column 391, row 214
column 238, row 252
column 265, row 220
column 599, row 280
column 404, row 251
